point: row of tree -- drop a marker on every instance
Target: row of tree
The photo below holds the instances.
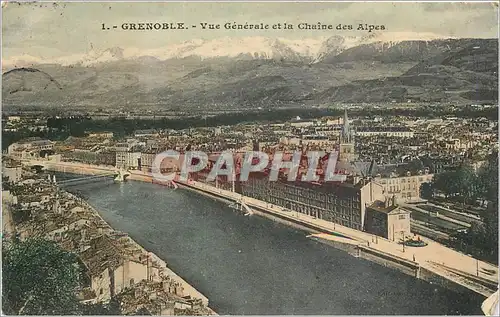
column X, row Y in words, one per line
column 469, row 186
column 466, row 183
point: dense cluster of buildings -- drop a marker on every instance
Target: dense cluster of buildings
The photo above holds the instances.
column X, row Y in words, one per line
column 344, row 202
column 31, row 148
column 114, row 265
column 380, row 159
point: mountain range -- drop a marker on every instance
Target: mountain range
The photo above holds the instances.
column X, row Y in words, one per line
column 261, row 72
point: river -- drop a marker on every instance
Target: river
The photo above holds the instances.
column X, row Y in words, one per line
column 252, row 265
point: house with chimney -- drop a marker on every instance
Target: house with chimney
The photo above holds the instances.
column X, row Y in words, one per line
column 387, row 219
column 114, row 263
column 162, row 298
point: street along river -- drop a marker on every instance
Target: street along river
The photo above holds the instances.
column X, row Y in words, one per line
column 252, row 265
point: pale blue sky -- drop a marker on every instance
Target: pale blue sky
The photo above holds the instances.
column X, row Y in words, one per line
column 49, row 30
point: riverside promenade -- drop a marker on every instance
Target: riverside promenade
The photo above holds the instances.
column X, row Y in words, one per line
column 448, row 263
column 464, row 270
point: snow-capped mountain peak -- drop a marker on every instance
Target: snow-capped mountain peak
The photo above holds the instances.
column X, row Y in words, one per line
column 256, row 47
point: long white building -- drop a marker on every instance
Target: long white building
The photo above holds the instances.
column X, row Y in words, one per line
column 401, row 132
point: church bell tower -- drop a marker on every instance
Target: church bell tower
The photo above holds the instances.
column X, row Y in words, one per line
column 346, row 147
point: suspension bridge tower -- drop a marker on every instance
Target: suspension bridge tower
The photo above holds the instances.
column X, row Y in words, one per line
column 122, row 175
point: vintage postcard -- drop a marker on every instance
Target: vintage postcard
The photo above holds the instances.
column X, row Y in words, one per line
column 250, row 158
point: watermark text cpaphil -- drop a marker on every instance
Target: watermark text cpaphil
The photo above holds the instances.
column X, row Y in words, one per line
column 226, row 164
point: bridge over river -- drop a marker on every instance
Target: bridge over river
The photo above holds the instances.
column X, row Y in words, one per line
column 460, row 269
column 90, row 173
column 86, row 179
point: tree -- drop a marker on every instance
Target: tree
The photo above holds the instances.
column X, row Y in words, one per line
column 491, row 177
column 426, row 191
column 39, row 278
column 445, row 183
column 484, row 236
column 77, row 130
column 5, row 183
column 416, row 165
column 462, row 182
column 490, row 215
column 465, row 180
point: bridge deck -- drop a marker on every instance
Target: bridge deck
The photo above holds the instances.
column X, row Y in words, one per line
column 87, row 178
column 435, row 256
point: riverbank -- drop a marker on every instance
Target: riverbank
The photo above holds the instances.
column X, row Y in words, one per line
column 243, row 264
column 434, row 263
column 188, row 290
column 434, row 257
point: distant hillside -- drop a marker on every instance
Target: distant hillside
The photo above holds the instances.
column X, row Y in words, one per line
column 400, row 51
column 463, row 74
column 448, row 70
column 28, row 80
